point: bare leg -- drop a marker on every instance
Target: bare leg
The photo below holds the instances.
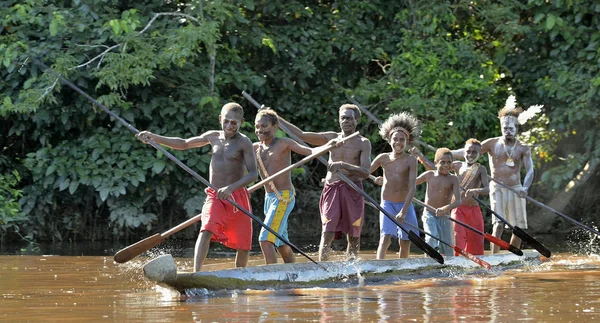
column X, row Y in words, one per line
column 384, row 244
column 201, row 249
column 404, row 248
column 497, row 232
column 353, row 247
column 515, row 241
column 287, row 254
column 325, row 245
column 241, row 258
column 268, row 250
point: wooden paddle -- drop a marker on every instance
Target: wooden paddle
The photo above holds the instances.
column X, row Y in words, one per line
column 418, row 241
column 138, row 248
column 303, row 161
column 536, row 202
column 499, row 242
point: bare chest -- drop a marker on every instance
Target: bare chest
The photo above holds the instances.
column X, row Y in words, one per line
column 228, row 151
column 348, row 153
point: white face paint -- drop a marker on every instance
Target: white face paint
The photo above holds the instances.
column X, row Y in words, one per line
column 509, row 127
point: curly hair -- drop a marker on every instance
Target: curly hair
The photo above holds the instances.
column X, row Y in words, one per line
column 270, row 114
column 398, row 121
column 440, row 152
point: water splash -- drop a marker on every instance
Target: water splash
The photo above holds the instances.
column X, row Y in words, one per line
column 584, row 242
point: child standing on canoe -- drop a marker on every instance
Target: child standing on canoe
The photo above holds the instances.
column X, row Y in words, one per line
column 341, row 207
column 473, row 179
column 398, row 182
column 441, row 187
column 274, row 154
column 232, row 167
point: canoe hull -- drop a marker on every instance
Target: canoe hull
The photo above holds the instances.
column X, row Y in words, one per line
column 163, row 270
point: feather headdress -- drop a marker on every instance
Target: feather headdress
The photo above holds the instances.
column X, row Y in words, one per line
column 510, row 109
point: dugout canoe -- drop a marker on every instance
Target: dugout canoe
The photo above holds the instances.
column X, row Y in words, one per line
column 163, row 271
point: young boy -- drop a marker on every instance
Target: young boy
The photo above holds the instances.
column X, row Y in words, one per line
column 232, row 167
column 274, row 154
column 441, row 187
column 473, row 179
column 341, row 207
column 399, row 182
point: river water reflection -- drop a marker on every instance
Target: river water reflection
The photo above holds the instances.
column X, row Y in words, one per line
column 95, row 289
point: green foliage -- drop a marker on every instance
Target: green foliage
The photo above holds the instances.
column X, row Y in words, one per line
column 10, row 209
column 169, row 66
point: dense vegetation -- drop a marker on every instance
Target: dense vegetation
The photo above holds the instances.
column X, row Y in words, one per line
column 169, row 66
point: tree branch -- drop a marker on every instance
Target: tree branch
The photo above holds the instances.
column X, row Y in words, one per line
column 108, row 49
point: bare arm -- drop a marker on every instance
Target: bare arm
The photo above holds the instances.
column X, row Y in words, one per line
column 376, row 163
column 458, row 153
column 179, row 143
column 528, row 163
column 361, row 171
column 299, row 148
column 313, row 138
column 424, row 177
column 422, row 159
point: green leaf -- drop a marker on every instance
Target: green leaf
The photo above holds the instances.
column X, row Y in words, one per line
column 64, row 184
column 53, row 27
column 158, row 166
column 50, row 169
column 104, row 193
column 550, row 21
column 538, row 17
column 73, row 187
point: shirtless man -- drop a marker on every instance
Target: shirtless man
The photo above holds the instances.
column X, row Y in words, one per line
column 341, row 207
column 473, row 178
column 507, row 156
column 441, row 187
column 398, row 181
column 274, row 154
column 232, row 167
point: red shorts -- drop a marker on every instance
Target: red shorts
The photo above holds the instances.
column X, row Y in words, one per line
column 342, row 209
column 466, row 239
column 229, row 225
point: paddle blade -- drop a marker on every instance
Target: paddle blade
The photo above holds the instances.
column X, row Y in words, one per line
column 515, row 250
column 532, row 242
column 419, row 242
column 503, row 244
column 474, row 259
column 138, row 248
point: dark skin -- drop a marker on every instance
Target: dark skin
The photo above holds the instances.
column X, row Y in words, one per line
column 441, row 187
column 353, row 159
column 232, row 166
column 480, row 182
column 399, row 183
column 276, row 155
column 499, row 150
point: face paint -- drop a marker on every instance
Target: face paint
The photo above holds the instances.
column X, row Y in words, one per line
column 509, row 127
column 472, row 153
